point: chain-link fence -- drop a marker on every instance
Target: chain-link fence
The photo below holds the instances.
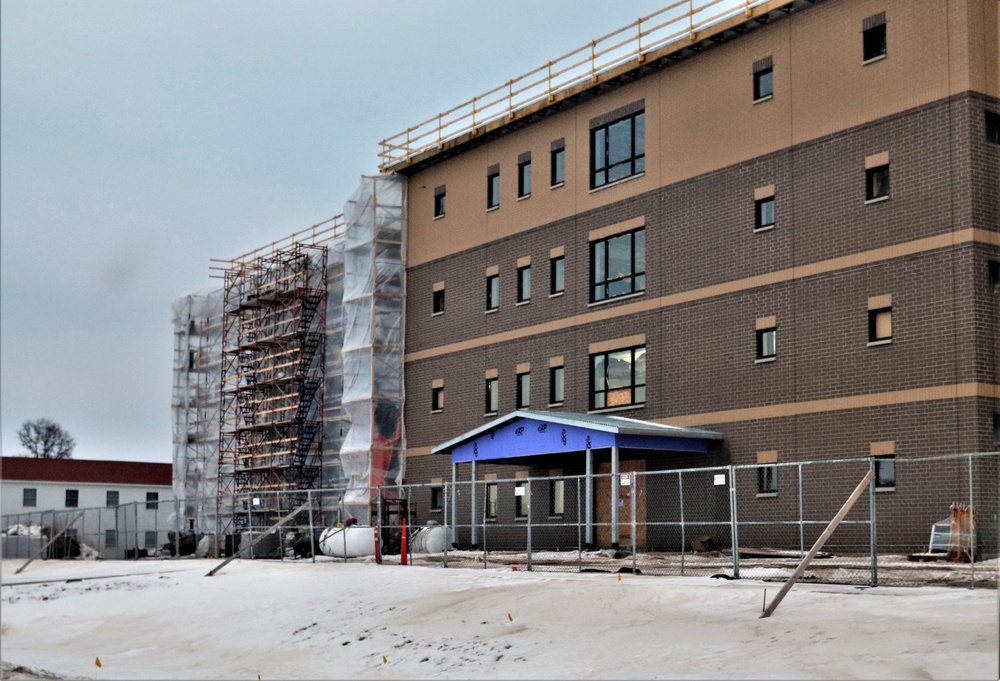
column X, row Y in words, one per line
column 931, row 520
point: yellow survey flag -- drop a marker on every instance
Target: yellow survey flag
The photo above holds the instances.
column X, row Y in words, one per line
column 619, row 578
column 97, row 661
column 509, row 617
column 384, row 660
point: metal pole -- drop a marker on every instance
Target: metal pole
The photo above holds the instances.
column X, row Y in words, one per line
column 484, row 520
column 680, row 489
column 872, row 524
column 972, row 533
column 454, row 507
column 472, row 509
column 733, row 522
column 447, row 529
column 589, row 510
column 802, row 543
column 527, row 492
column 615, row 497
column 579, row 543
column 312, row 532
column 100, row 535
column 135, row 520
column 249, row 504
column 156, row 528
column 631, row 495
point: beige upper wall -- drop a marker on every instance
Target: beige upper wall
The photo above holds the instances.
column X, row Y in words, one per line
column 700, row 115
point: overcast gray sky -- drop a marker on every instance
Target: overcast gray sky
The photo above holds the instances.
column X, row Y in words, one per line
column 139, row 140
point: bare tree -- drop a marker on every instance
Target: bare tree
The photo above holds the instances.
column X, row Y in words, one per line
column 46, row 439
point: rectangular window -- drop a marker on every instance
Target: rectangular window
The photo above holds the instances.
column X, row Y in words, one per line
column 618, row 265
column 152, row 501
column 557, row 275
column 150, row 542
column 992, row 127
column 437, row 398
column 885, row 471
column 110, row 539
column 524, row 178
column 493, row 188
column 558, row 165
column 439, row 202
column 523, row 391
column 766, row 344
column 618, row 149
column 438, row 303
column 618, row 378
column 557, row 497
column 437, row 498
column 877, row 183
column 522, row 500
column 880, row 325
column 524, row 284
column 491, row 500
column 556, row 385
column 492, row 395
column 873, row 37
column 493, row 292
column 72, row 498
column 994, row 276
column 996, row 427
column 767, row 480
column 29, row 497
column 763, row 82
column 111, row 498
column 764, row 213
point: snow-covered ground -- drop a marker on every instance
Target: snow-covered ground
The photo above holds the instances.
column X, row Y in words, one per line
column 299, row 620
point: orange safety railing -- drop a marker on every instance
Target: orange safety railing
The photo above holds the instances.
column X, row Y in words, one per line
column 679, row 22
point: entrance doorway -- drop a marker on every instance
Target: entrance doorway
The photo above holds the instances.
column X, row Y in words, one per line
column 602, row 512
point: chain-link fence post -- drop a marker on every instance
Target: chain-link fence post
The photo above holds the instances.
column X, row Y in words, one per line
column 632, row 493
column 680, row 494
column 734, row 531
column 802, row 547
column 447, row 528
column 527, row 492
column 872, row 525
column 312, row 532
column 472, row 510
column 579, row 540
column 972, row 532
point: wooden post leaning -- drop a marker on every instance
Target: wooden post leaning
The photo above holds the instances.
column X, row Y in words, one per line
column 270, row 530
column 49, row 542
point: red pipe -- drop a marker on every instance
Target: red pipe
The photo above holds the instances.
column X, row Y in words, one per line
column 402, row 555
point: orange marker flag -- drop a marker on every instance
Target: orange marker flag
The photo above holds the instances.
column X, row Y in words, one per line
column 97, row 661
column 619, row 578
column 384, row 660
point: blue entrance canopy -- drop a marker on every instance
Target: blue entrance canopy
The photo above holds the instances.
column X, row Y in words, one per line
column 528, row 432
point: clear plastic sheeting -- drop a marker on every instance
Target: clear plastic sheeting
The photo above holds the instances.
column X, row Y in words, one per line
column 373, row 295
column 197, row 322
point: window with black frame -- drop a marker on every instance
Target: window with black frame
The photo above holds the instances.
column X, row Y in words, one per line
column 618, row 265
column 618, row 149
column 618, row 378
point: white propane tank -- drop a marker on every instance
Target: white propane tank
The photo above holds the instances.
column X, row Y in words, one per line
column 431, row 538
column 352, row 541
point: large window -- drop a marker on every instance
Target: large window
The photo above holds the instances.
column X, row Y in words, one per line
column 618, row 149
column 618, row 378
column 522, row 500
column 877, row 183
column 524, row 176
column 556, row 386
column 764, row 213
column 618, row 265
column 874, row 45
column 72, row 498
column 152, row 501
column 439, row 202
column 524, row 284
column 492, row 395
column 557, row 175
column 437, row 498
column 111, row 498
column 491, row 500
column 767, row 480
column 493, row 188
column 437, row 398
column 437, row 302
column 763, row 79
column 880, row 325
column 992, row 127
column 767, row 344
column 493, row 292
column 557, row 275
column 29, row 496
column 885, row 471
column 523, row 390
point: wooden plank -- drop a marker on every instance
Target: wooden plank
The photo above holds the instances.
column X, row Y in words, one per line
column 49, row 542
column 819, row 542
column 266, row 532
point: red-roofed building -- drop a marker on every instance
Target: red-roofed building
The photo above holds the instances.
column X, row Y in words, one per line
column 127, row 496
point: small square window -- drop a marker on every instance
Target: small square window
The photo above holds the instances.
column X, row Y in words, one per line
column 492, row 395
column 522, row 500
column 439, row 205
column 885, row 471
column 493, row 292
column 558, row 160
column 880, row 325
column 524, row 284
column 766, row 343
column 557, row 497
column 493, row 190
column 492, row 497
column 29, row 497
column 874, row 42
column 767, row 480
column 437, row 305
column 72, row 498
column 523, row 179
column 763, row 84
column 110, row 539
column 152, row 501
column 877, row 183
column 764, row 213
column 111, row 498
column 437, row 398
column 992, row 127
column 994, row 276
column 557, row 275
column 523, row 391
column 437, row 498
column 556, row 387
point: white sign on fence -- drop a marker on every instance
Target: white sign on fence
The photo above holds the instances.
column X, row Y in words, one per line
column 625, row 479
column 519, row 491
column 720, row 479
